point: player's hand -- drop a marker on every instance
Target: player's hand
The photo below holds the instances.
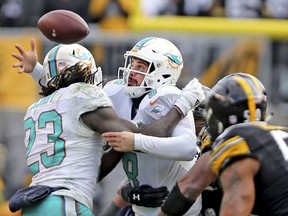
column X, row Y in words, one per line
column 192, row 95
column 27, row 60
column 145, row 195
column 120, row 141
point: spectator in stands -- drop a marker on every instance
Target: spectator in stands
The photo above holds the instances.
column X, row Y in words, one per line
column 161, row 7
column 243, row 8
column 277, row 9
column 79, row 7
column 19, row 13
column 110, row 14
column 178, row 7
column 198, row 7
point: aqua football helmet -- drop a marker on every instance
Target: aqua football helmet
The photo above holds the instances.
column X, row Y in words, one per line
column 165, row 65
column 236, row 98
column 64, row 56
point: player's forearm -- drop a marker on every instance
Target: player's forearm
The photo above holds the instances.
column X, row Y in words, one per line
column 164, row 126
column 38, row 72
column 237, row 181
column 232, row 205
column 190, row 185
column 108, row 162
column 175, row 148
column 175, row 203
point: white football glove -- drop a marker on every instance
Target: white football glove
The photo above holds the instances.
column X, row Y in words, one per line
column 192, row 95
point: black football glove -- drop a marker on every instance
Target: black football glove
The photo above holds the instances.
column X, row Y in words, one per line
column 145, row 195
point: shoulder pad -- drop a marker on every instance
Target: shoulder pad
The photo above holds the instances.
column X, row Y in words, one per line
column 244, row 130
column 224, row 151
column 113, row 87
column 164, row 95
column 86, row 91
column 89, row 97
column 164, row 91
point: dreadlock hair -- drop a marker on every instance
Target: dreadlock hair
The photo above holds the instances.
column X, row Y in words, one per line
column 80, row 72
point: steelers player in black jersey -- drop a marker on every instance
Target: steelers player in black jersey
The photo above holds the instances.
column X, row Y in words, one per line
column 191, row 185
column 249, row 156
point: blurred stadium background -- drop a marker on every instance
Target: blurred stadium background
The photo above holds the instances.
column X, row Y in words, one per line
column 212, row 47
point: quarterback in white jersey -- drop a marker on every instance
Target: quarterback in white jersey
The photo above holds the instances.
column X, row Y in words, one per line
column 156, row 161
column 145, row 92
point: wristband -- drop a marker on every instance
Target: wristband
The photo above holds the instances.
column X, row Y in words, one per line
column 179, row 111
column 176, row 203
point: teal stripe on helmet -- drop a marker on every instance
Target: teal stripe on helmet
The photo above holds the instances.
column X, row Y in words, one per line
column 141, row 43
column 53, row 61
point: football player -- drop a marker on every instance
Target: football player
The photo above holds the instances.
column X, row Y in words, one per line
column 249, row 156
column 63, row 134
column 148, row 78
column 158, row 63
column 241, row 98
column 126, row 193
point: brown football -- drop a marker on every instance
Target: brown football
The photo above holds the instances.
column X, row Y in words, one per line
column 63, row 26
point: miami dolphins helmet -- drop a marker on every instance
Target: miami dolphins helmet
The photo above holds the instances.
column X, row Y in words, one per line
column 64, row 56
column 165, row 65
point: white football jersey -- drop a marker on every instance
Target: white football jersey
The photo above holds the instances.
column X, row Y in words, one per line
column 61, row 149
column 142, row 168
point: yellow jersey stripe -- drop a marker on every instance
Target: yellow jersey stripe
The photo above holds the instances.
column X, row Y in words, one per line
column 235, row 146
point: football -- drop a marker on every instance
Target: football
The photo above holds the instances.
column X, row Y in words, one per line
column 63, row 26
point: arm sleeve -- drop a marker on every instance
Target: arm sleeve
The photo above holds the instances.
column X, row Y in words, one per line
column 181, row 146
column 38, row 73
